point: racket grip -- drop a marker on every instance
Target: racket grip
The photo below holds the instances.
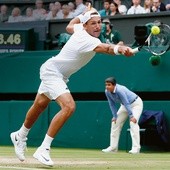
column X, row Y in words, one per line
column 135, row 50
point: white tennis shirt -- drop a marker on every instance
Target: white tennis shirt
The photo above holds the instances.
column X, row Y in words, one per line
column 76, row 53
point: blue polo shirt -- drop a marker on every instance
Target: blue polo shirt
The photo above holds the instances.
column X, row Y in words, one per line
column 103, row 13
column 123, row 95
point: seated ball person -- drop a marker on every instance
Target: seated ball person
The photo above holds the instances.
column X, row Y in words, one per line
column 111, row 36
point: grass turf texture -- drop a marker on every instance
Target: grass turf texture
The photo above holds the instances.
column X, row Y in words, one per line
column 84, row 159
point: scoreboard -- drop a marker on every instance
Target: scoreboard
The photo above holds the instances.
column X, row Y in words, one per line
column 16, row 40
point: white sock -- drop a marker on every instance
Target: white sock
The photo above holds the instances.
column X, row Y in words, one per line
column 23, row 132
column 47, row 142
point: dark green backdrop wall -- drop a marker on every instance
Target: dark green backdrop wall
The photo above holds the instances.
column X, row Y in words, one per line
column 89, row 127
column 19, row 73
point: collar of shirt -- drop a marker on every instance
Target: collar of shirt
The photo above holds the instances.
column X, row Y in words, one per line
column 114, row 91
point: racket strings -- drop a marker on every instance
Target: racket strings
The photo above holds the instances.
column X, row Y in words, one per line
column 159, row 44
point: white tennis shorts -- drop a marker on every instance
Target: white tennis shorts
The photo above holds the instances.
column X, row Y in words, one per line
column 52, row 83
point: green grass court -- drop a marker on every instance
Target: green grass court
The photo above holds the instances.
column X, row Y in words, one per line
column 84, row 159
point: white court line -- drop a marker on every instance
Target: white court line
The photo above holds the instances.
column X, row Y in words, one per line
column 19, row 168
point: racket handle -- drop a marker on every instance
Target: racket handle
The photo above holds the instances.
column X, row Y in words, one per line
column 135, row 50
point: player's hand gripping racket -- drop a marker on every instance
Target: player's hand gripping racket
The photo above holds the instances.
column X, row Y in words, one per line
column 158, row 42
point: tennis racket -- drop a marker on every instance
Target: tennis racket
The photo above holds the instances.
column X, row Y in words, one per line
column 157, row 44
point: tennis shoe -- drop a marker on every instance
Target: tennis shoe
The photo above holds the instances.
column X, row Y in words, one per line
column 43, row 156
column 109, row 149
column 134, row 151
column 19, row 145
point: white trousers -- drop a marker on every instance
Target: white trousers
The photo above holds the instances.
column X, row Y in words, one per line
column 116, row 128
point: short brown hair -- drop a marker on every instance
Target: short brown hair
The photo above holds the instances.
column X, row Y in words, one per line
column 111, row 80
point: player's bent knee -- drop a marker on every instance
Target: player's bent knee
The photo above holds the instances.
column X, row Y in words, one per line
column 69, row 108
column 41, row 104
column 72, row 107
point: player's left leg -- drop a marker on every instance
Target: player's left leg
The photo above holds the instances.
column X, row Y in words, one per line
column 19, row 137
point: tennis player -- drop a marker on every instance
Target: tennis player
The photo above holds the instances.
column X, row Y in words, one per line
column 54, row 74
column 131, row 106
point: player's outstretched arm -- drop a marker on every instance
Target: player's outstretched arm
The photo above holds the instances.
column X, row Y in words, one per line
column 114, row 49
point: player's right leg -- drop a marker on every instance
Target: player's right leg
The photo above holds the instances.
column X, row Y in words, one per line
column 67, row 105
column 19, row 137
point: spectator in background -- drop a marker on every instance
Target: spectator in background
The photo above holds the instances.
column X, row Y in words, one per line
column 158, row 6
column 59, row 10
column 111, row 36
column 53, row 13
column 80, row 8
column 168, row 5
column 39, row 13
column 136, row 8
column 29, row 15
column 56, row 12
column 122, row 8
column 89, row 2
column 147, row 5
column 66, row 12
column 50, row 7
column 106, row 10
column 15, row 15
column 113, row 9
column 72, row 7
column 3, row 13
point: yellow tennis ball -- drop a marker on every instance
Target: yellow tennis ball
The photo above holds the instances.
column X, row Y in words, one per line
column 155, row 30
